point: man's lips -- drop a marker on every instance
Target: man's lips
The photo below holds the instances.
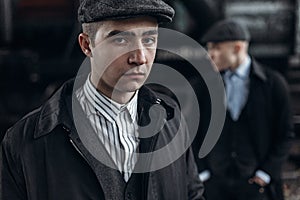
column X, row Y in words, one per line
column 135, row 74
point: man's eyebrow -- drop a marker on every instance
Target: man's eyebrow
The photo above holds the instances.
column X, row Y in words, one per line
column 119, row 33
column 128, row 33
column 151, row 32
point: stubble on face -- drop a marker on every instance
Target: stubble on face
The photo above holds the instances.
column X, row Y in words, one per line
column 123, row 56
column 222, row 54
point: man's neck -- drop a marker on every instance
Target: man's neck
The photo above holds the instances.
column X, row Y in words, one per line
column 112, row 93
column 120, row 97
column 239, row 61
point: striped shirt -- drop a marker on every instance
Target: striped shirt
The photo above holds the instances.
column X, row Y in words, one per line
column 114, row 124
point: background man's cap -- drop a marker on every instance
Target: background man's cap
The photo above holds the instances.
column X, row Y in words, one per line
column 226, row 30
column 98, row 10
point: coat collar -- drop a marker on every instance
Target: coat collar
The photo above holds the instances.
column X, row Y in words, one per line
column 58, row 109
column 257, row 70
column 54, row 112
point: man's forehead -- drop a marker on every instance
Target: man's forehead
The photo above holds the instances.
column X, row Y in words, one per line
column 221, row 43
column 130, row 23
column 112, row 28
column 212, row 44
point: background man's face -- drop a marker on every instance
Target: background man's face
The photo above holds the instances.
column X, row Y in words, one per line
column 124, row 53
column 222, row 53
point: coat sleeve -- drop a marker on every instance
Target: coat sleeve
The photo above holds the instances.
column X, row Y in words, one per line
column 282, row 127
column 195, row 186
column 12, row 184
column 201, row 163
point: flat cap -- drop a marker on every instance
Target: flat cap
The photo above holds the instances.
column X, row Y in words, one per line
column 98, row 10
column 226, row 30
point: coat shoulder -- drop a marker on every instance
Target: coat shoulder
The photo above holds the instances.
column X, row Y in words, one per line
column 23, row 128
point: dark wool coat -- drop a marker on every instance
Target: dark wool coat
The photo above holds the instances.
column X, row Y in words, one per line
column 42, row 158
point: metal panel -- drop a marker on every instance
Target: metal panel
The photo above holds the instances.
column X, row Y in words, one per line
column 6, row 20
column 271, row 24
column 297, row 28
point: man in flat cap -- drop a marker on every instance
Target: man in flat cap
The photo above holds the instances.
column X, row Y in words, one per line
column 246, row 162
column 86, row 141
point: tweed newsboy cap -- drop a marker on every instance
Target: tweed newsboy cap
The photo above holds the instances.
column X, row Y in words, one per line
column 226, row 30
column 98, row 10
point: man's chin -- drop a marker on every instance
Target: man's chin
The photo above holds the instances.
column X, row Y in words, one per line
column 222, row 68
column 127, row 89
column 130, row 86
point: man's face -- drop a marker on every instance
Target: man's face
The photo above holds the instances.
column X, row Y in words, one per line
column 222, row 53
column 123, row 54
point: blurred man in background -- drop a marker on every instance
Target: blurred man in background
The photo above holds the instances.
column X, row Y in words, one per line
column 246, row 162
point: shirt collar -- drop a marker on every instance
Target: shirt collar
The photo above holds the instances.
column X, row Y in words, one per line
column 243, row 69
column 131, row 106
column 107, row 107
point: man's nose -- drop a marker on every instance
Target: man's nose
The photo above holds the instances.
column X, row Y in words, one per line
column 211, row 54
column 138, row 56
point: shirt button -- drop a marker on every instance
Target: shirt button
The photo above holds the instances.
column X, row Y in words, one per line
column 261, row 190
column 233, row 154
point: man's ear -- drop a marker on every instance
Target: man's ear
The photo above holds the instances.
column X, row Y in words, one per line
column 238, row 46
column 84, row 43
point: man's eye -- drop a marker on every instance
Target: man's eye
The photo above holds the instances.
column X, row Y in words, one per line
column 120, row 41
column 149, row 41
